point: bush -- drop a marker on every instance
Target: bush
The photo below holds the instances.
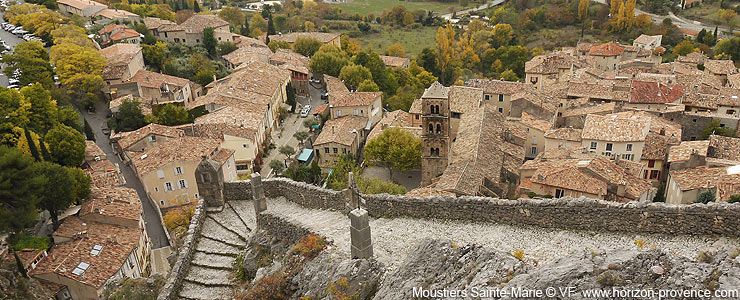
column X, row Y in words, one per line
column 25, row 241
column 311, row 245
column 272, row 287
column 734, row 198
column 705, row 197
column 177, row 220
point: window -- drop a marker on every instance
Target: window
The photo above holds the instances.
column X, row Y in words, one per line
column 197, row 40
column 156, row 189
column 431, row 152
column 181, row 184
column 355, row 112
column 160, row 174
column 336, row 150
column 416, row 117
column 439, row 128
column 533, row 79
column 326, row 149
column 500, row 97
column 161, row 202
column 183, row 40
column 431, row 128
column 152, row 138
column 501, row 110
column 244, row 145
column 168, row 187
column 96, row 250
column 228, row 164
column 456, row 115
column 651, row 163
column 593, row 145
column 645, row 175
column 629, row 147
column 654, row 174
column 559, row 193
column 487, row 97
column 178, row 170
column 533, row 150
column 339, row 113
column 81, row 268
column 344, row 150
column 195, row 195
column 628, row 156
column 609, row 146
column 534, row 140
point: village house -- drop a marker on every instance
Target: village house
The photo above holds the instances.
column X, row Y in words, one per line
column 394, row 61
column 102, row 172
column 647, row 95
column 684, row 186
column 717, row 151
column 153, row 24
column 720, row 69
column 167, row 170
column 115, row 33
column 567, row 138
column 498, row 92
column 83, row 8
column 299, row 68
column 115, row 14
column 158, row 88
column 339, row 136
column 536, row 130
column 648, row 42
column 145, row 138
column 104, row 242
column 144, row 104
column 124, row 61
column 397, row 118
column 609, row 136
column 545, row 70
column 190, row 32
column 247, row 54
column 342, row 102
column 324, row 37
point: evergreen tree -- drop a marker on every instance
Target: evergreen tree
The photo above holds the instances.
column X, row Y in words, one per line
column 32, row 145
column 715, row 31
column 196, row 6
column 290, row 96
column 19, row 264
column 270, row 26
column 89, row 134
column 184, row 4
column 245, row 26
column 44, row 152
column 177, row 6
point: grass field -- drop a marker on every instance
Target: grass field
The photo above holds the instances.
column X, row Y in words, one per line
column 413, row 40
column 706, row 13
column 376, row 7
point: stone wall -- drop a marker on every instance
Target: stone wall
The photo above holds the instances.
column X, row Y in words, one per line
column 564, row 213
column 281, row 226
column 180, row 269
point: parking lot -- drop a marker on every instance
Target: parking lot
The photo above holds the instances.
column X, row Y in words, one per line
column 9, row 40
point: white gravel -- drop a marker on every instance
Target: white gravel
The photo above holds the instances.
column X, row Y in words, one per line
column 394, row 238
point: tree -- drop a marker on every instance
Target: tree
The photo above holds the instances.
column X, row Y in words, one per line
column 277, row 166
column 378, row 186
column 270, row 26
column 257, row 22
column 734, row 198
column 353, row 75
column 307, row 46
column 155, row 55
column 209, row 41
column 31, row 145
column 396, row 149
column 58, row 194
column 79, row 68
column 234, row 15
column 308, row 123
column 684, row 47
column 44, row 113
column 89, row 134
column 368, row 86
column 67, row 146
column 705, row 197
column 286, row 150
column 301, row 136
column 44, row 152
column 129, row 116
column 729, row 17
column 728, row 47
column 171, row 115
column 19, row 184
column 290, row 96
column 196, row 6
column 226, row 48
column 275, row 45
column 446, row 60
column 502, row 35
column 583, row 7
column 31, row 61
column 716, row 128
column 396, row 50
column 329, row 61
column 340, row 171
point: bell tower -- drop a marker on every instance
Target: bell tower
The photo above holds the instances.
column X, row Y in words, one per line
column 435, row 139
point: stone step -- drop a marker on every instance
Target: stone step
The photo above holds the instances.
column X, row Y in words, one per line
column 209, row 277
column 197, row 291
column 243, row 219
column 212, row 260
column 206, row 245
column 245, row 210
column 229, row 219
column 214, row 231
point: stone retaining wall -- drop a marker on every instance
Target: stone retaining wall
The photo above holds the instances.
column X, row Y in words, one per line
column 182, row 265
column 281, row 226
column 564, row 213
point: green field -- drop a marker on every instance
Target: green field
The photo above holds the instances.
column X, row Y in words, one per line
column 376, row 7
column 706, row 13
column 413, row 40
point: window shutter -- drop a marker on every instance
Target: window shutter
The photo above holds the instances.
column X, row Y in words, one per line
column 160, row 174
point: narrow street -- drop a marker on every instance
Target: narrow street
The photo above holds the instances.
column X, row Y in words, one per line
column 153, row 225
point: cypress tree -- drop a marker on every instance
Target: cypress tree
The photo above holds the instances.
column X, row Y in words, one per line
column 32, row 145
column 44, row 152
column 715, row 32
column 184, row 4
column 196, row 6
column 19, row 264
column 177, row 6
column 89, row 132
column 245, row 27
column 270, row 26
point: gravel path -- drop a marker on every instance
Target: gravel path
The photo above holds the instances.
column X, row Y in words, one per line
column 394, row 238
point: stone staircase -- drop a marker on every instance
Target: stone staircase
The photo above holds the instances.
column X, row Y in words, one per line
column 224, row 235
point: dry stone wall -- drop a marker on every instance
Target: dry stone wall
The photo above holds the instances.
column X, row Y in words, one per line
column 563, row 213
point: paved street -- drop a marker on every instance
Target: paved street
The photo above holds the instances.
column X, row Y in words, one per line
column 470, row 10
column 12, row 40
column 151, row 219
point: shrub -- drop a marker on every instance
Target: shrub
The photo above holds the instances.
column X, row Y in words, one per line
column 640, row 243
column 734, row 198
column 25, row 241
column 519, row 254
column 609, row 278
column 272, row 287
column 531, row 194
column 311, row 245
column 177, row 220
column 705, row 197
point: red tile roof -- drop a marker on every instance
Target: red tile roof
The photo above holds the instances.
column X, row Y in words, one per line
column 654, row 92
column 606, row 49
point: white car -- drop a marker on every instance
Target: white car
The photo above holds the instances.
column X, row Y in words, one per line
column 305, row 111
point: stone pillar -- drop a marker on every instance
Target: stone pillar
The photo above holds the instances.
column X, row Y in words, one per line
column 258, row 194
column 359, row 230
column 210, row 181
column 353, row 198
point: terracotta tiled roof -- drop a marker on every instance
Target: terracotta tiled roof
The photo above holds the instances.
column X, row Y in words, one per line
column 723, row 147
column 155, row 80
column 154, row 23
column 702, row 177
column 103, row 173
column 611, row 128
column 110, row 28
column 537, row 98
column 112, row 72
column 535, row 123
column 335, row 87
column 244, row 41
column 120, row 53
column 462, row 177
column 645, row 39
column 115, row 13
column 342, row 130
column 688, row 31
column 692, row 58
column 724, row 67
column 549, row 63
column 197, row 23
column 180, row 149
column 397, row 118
column 654, row 92
column 394, row 61
column 656, row 146
column 151, row 129
column 657, row 124
column 606, row 49
column 566, row 134
column 116, row 202
column 125, row 34
column 584, row 47
column 596, row 91
column 237, row 120
column 428, row 191
column 516, row 128
column 355, row 99
column 81, row 4
column 683, row 151
column 93, row 150
column 287, row 56
column 734, row 80
column 415, row 107
column 117, row 244
column 465, row 100
column 248, row 54
column 291, row 37
column 256, row 77
column 497, row 86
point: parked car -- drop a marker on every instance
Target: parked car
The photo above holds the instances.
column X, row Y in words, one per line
column 324, row 95
column 305, row 111
column 13, row 86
